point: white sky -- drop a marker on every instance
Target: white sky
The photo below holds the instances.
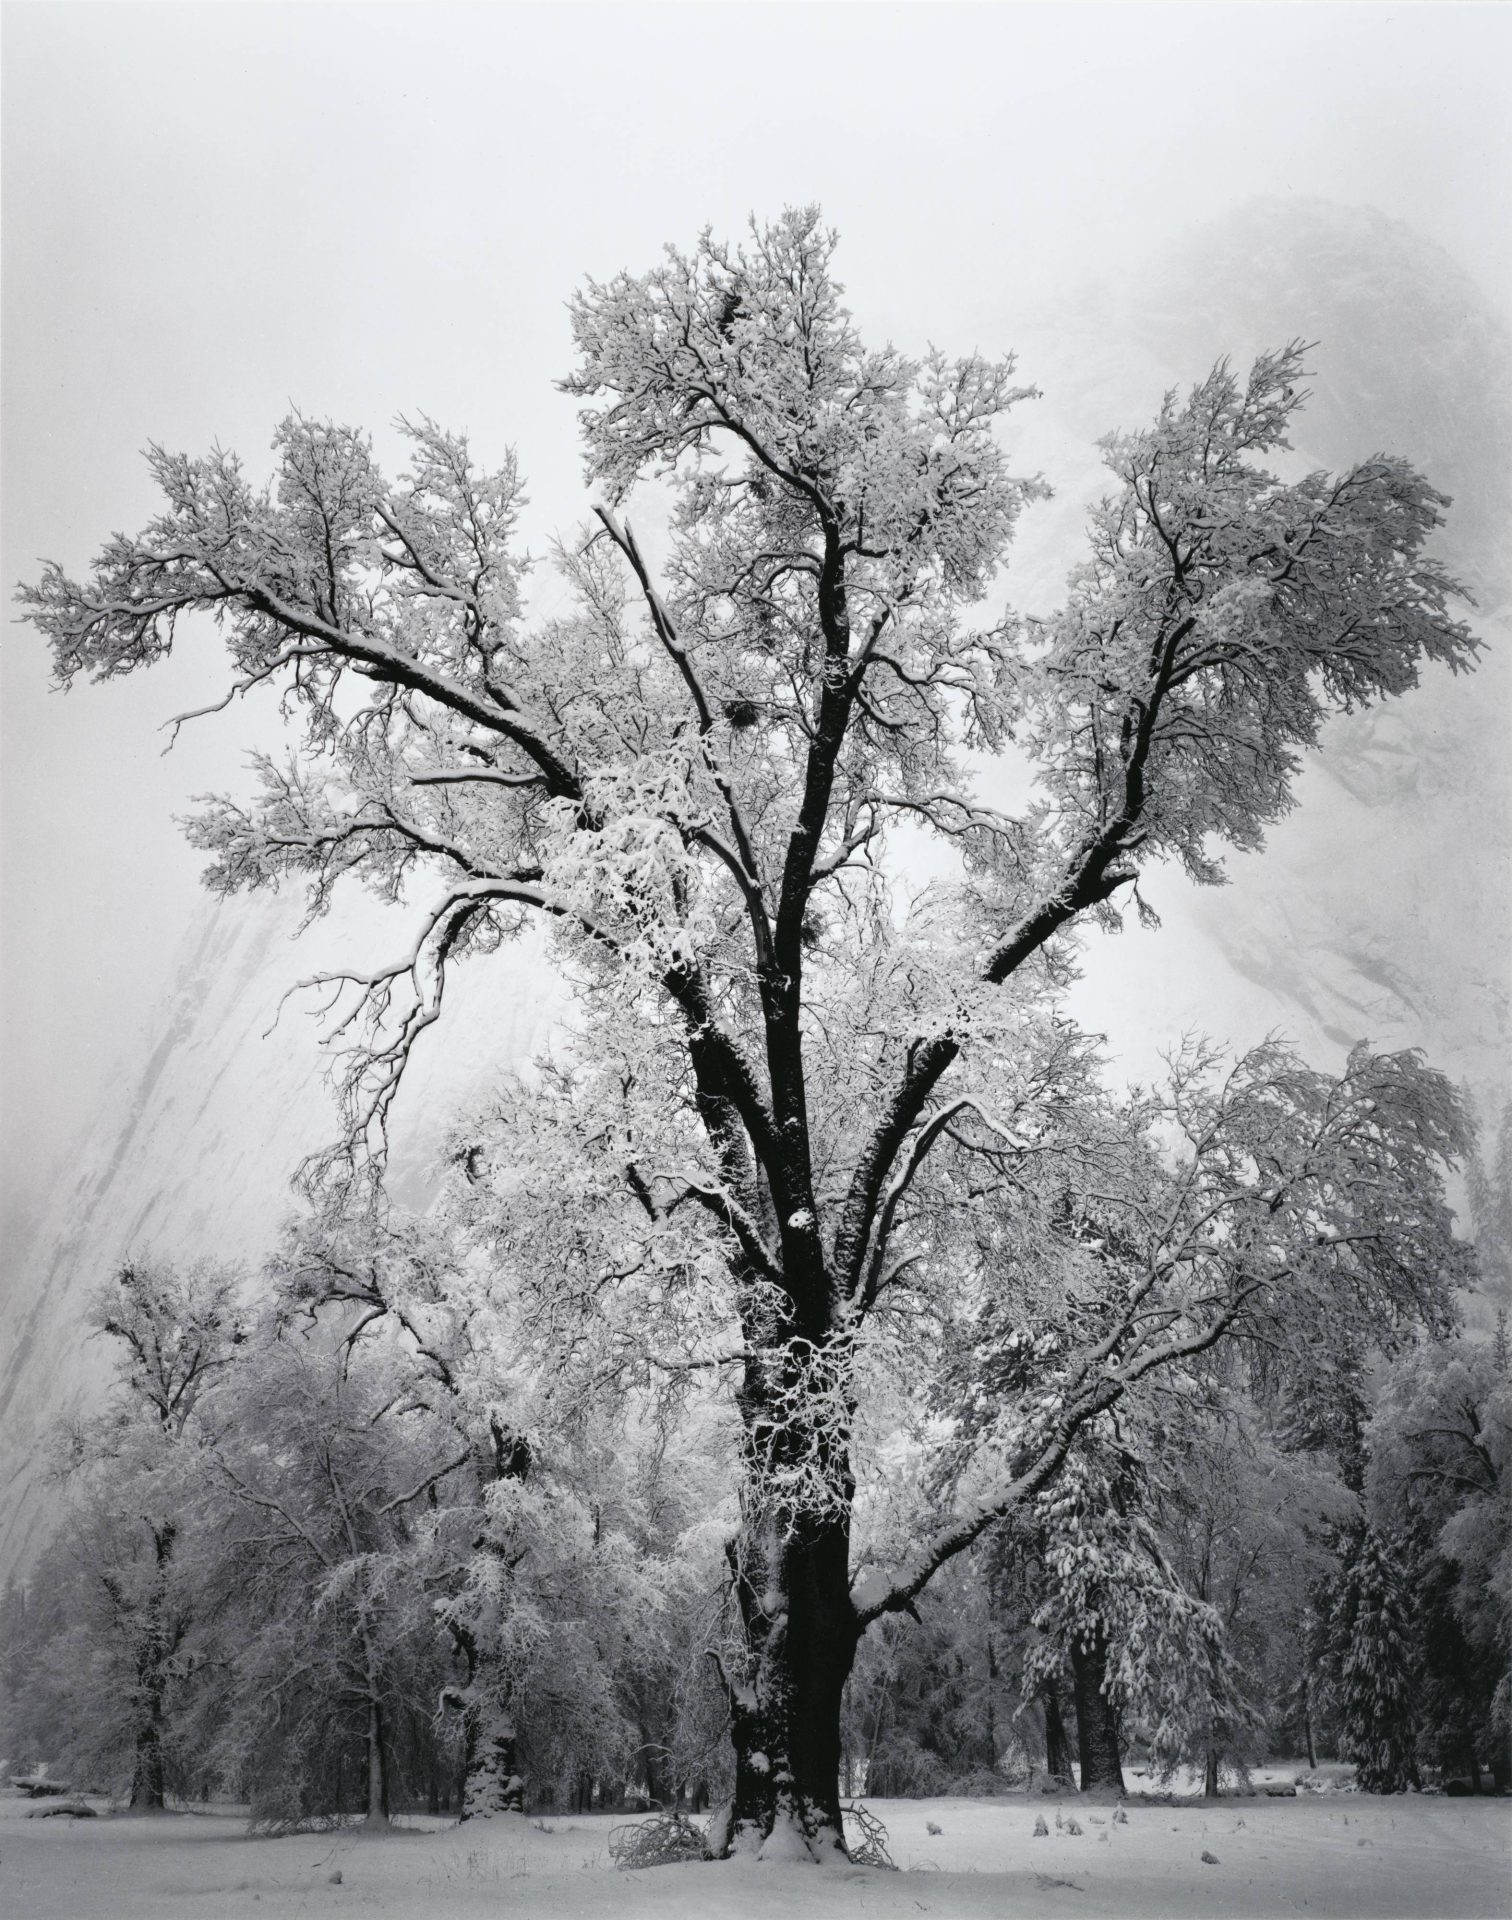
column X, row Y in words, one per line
column 212, row 211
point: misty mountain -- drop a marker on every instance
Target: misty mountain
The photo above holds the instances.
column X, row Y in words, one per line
column 1380, row 909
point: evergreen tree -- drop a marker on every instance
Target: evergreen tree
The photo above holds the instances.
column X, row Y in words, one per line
column 1372, row 1647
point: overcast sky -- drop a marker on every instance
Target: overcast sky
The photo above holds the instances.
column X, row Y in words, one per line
column 212, row 211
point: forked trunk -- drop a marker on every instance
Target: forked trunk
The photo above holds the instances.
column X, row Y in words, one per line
column 647, row 1757
column 1096, row 1722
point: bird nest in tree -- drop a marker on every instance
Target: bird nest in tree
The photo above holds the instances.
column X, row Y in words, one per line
column 661, row 1841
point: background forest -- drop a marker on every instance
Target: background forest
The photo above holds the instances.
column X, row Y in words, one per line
column 302, row 1530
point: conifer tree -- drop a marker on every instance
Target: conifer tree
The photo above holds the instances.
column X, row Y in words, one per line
column 1372, row 1646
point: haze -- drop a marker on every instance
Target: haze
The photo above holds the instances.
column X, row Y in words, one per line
column 212, row 212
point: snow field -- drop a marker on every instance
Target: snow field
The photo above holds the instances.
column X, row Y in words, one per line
column 1351, row 1856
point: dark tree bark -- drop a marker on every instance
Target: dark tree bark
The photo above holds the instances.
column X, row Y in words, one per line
column 800, row 1636
column 376, row 1810
column 1096, row 1722
column 648, row 1756
column 154, row 1648
column 1057, row 1746
column 147, row 1783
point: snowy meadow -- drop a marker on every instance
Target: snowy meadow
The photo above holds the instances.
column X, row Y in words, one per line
column 1340, row 1857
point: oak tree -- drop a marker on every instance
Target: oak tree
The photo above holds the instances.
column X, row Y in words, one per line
column 697, row 773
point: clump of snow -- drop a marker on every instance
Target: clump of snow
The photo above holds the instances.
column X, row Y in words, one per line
column 786, row 1844
column 868, row 1589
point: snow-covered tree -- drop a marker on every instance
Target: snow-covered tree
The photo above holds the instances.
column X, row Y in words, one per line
column 322, row 1467
column 694, row 775
column 1249, row 1526
column 394, row 1285
column 545, row 1554
column 929, row 1708
column 1370, row 1642
column 122, row 1596
column 1441, row 1474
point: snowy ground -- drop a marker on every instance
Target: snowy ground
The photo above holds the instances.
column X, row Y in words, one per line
column 1323, row 1854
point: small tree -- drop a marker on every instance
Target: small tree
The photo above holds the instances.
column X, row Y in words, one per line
column 538, row 1554
column 694, row 775
column 115, row 1634
column 322, row 1466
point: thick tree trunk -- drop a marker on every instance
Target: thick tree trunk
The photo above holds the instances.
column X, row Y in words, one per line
column 147, row 1782
column 1058, row 1759
column 1096, row 1723
column 800, row 1639
column 1210, row 1775
column 491, row 1779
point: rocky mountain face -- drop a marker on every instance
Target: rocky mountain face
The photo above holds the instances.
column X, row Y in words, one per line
column 196, row 1148
column 1381, row 908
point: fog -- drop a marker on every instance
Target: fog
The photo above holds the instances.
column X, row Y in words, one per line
column 211, row 213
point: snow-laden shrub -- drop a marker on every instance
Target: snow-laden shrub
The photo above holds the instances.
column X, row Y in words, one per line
column 662, row 1841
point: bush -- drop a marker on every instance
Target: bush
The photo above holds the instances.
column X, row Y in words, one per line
column 662, row 1841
